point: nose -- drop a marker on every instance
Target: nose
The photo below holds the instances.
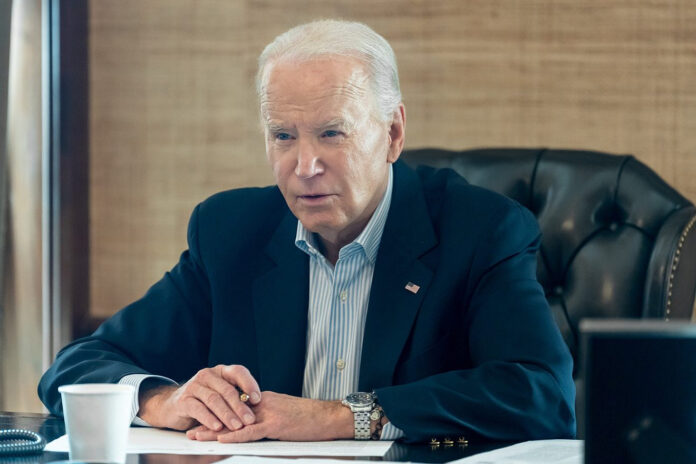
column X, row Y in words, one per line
column 308, row 161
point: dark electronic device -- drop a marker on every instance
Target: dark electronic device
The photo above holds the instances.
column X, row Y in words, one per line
column 640, row 387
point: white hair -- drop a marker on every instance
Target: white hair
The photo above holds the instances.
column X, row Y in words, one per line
column 339, row 38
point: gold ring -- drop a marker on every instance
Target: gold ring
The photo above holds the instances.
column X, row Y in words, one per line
column 244, row 397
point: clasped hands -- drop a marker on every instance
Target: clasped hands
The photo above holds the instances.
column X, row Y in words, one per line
column 208, row 407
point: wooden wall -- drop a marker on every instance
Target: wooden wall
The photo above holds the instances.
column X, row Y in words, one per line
column 173, row 114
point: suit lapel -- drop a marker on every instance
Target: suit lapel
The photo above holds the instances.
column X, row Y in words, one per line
column 408, row 234
column 280, row 312
column 281, row 294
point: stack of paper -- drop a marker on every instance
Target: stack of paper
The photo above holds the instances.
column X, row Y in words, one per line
column 150, row 440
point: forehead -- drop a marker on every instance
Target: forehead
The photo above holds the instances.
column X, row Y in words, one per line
column 324, row 86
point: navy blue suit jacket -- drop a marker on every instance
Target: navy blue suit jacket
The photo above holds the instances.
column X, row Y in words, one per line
column 474, row 352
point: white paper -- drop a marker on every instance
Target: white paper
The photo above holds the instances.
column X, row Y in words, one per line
column 532, row 452
column 151, row 440
column 262, row 460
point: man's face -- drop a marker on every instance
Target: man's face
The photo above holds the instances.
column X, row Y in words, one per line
column 329, row 151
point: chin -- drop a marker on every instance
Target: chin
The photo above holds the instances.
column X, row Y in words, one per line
column 319, row 227
column 316, row 227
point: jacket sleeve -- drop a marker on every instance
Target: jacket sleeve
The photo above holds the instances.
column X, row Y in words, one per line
column 166, row 332
column 518, row 382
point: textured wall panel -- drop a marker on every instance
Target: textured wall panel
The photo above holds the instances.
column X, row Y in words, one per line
column 173, row 111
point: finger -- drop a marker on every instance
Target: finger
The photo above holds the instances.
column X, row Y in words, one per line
column 227, row 385
column 241, row 377
column 208, row 435
column 204, row 434
column 249, row 433
column 229, row 394
column 197, row 410
column 218, row 405
column 191, row 433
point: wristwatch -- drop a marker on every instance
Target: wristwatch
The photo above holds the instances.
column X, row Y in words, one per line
column 361, row 404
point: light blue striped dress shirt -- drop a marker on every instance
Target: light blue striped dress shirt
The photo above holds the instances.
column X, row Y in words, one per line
column 338, row 300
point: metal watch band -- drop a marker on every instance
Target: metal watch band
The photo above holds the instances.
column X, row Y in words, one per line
column 362, row 425
column 376, row 416
column 361, row 405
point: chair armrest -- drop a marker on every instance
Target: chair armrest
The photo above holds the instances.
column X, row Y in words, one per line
column 670, row 284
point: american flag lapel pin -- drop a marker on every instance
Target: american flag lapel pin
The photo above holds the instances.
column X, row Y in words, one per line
column 413, row 288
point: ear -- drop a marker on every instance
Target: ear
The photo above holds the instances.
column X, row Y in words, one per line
column 397, row 134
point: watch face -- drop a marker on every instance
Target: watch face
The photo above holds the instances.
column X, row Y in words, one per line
column 360, row 399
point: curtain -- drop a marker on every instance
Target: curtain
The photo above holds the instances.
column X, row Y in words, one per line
column 21, row 345
column 5, row 16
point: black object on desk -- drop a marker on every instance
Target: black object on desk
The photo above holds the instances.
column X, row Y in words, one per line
column 640, row 379
column 16, row 442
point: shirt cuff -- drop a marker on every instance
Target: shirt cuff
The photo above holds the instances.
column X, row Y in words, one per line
column 391, row 432
column 135, row 380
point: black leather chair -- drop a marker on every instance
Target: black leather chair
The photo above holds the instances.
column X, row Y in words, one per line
column 618, row 242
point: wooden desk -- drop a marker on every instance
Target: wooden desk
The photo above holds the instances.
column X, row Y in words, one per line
column 52, row 427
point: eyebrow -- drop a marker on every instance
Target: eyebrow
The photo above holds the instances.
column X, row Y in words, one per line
column 343, row 123
column 337, row 122
column 274, row 128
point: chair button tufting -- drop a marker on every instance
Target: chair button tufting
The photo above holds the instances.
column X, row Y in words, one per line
column 613, row 226
column 558, row 290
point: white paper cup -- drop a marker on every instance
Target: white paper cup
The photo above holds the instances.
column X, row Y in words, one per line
column 97, row 419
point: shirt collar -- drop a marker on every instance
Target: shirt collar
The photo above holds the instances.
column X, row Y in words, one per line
column 369, row 239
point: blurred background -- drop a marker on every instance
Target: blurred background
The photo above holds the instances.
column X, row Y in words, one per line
column 118, row 117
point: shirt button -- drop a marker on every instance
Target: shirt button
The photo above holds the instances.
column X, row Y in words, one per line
column 344, row 295
column 340, row 364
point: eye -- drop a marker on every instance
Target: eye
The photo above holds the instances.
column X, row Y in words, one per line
column 283, row 136
column 331, row 133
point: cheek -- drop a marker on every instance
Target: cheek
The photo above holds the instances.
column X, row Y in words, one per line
column 275, row 167
column 371, row 155
column 369, row 159
column 277, row 164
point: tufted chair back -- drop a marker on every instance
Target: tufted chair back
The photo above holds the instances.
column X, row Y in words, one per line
column 617, row 241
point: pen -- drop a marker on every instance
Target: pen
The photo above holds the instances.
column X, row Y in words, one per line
column 243, row 397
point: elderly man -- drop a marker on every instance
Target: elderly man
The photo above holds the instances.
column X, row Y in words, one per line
column 356, row 299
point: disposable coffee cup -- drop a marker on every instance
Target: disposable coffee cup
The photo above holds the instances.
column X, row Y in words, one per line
column 97, row 419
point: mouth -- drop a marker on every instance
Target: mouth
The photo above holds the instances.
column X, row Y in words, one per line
column 314, row 199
